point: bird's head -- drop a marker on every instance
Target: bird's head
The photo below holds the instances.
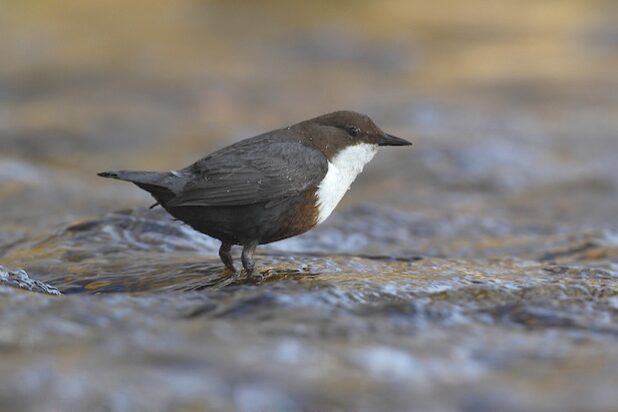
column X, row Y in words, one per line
column 333, row 132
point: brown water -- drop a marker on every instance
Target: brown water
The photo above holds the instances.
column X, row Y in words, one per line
column 477, row 271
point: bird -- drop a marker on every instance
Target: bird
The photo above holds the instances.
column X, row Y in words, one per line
column 269, row 187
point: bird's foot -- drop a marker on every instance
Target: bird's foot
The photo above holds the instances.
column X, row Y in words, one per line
column 230, row 272
column 248, row 263
column 251, row 276
column 257, row 276
column 225, row 253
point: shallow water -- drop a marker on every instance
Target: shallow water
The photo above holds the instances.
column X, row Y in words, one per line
column 477, row 271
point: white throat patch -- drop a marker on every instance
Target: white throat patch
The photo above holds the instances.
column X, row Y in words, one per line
column 342, row 171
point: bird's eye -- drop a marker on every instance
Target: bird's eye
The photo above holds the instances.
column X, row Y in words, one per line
column 352, row 131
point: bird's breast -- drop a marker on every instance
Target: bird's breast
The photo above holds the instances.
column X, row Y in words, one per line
column 342, row 171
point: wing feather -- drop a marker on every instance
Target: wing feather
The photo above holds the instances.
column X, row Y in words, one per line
column 256, row 170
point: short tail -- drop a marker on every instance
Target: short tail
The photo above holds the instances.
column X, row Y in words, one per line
column 134, row 177
column 163, row 186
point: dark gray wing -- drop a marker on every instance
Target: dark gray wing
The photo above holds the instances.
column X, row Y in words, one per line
column 261, row 169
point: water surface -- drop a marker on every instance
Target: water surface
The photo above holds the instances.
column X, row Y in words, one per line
column 477, row 271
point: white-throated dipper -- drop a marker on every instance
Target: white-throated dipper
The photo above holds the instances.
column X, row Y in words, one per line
column 268, row 187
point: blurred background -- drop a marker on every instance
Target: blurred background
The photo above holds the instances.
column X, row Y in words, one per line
column 512, row 106
column 503, row 95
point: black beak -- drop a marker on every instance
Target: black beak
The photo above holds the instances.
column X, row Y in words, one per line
column 390, row 140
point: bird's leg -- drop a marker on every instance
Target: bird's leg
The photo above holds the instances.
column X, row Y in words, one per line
column 226, row 256
column 247, row 257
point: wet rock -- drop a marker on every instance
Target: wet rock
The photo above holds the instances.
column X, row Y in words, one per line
column 476, row 271
column 18, row 278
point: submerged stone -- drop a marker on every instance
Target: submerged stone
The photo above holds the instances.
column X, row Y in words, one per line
column 18, row 278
